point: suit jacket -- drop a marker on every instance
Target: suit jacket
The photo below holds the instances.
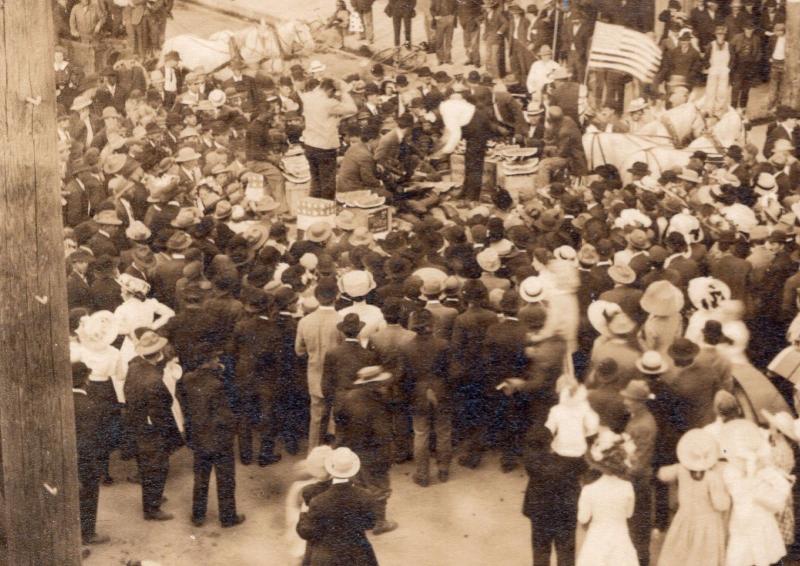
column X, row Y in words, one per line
column 254, row 341
column 496, row 26
column 149, row 416
column 209, row 422
column 104, row 98
column 364, row 424
column 577, row 40
column 443, row 319
column 507, row 110
column 703, row 25
column 335, row 527
column 76, row 210
column 504, row 351
column 569, row 145
column 341, row 365
column 735, row 272
column 79, row 292
column 777, row 132
column 388, row 149
column 694, row 388
column 469, row 330
column 316, row 336
column 101, row 245
column 357, row 171
column 89, row 421
column 469, row 13
column 106, row 294
column 424, row 366
column 388, row 342
column 164, row 277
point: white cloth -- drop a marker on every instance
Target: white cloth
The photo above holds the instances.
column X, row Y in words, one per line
column 172, row 374
column 133, row 314
column 538, row 76
column 753, row 534
column 104, row 364
column 608, row 504
column 779, row 53
column 570, row 425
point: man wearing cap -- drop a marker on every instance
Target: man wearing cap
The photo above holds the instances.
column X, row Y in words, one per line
column 150, row 421
column 79, row 294
column 784, row 128
column 104, row 241
column 746, row 54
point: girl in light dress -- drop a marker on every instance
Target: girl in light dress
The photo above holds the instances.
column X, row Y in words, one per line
column 607, row 504
column 137, row 311
column 697, row 532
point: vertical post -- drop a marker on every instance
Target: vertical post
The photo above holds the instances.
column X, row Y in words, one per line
column 791, row 82
column 38, row 481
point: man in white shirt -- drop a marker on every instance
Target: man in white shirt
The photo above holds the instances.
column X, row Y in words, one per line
column 540, row 72
column 777, row 62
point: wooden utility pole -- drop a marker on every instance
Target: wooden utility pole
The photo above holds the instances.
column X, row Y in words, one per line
column 791, row 81
column 39, row 486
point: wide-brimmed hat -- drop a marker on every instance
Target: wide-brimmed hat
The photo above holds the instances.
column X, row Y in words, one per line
column 662, row 298
column 143, row 258
column 740, row 438
column 179, row 241
column 431, row 275
column 609, row 319
column 533, row 289
column 638, row 239
column 637, row 390
column 98, row 330
column 534, row 109
column 318, row 232
column 150, row 343
column 651, row 363
column 698, row 450
column 781, row 421
column 186, row 217
column 357, row 283
column 683, row 349
column 690, row 175
column 256, row 235
column 351, row 324
column 707, row 293
column 346, row 220
column 130, row 284
column 137, row 231
column 161, row 189
column 186, row 154
column 637, row 105
column 342, row 463
column 263, row 205
column 217, row 97
column 107, row 218
column 80, row 102
column 765, row 181
column 361, row 236
column 587, row 255
column 489, row 260
column 114, row 163
column 222, row 210
column 622, row 274
column 560, row 73
column 371, row 374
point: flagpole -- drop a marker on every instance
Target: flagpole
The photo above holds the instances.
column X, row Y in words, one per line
column 555, row 33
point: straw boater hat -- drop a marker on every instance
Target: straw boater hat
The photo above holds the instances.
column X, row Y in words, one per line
column 637, row 105
column 150, row 343
column 187, row 154
column 371, row 374
column 533, row 290
column 488, row 260
column 662, row 298
column 357, row 283
column 318, row 232
column 342, row 463
column 133, row 285
column 622, row 274
column 651, row 363
column 698, row 450
column 609, row 319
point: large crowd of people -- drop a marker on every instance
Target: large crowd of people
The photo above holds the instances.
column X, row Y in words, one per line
column 622, row 342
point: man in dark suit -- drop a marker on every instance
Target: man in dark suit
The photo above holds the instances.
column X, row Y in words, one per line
column 167, row 273
column 784, row 128
column 364, row 424
column 343, row 362
column 89, row 420
column 469, row 18
column 704, row 20
column 565, row 147
column 504, row 351
column 293, row 391
column 150, row 421
column 106, row 292
column 337, row 519
column 79, row 294
column 518, row 25
column 103, row 241
column 467, row 364
column 257, row 375
column 210, row 427
column 110, row 92
column 577, row 34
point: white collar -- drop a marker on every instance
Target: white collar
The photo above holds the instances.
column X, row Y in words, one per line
column 340, row 480
column 433, row 302
column 81, row 391
column 104, row 233
column 352, row 340
column 326, row 308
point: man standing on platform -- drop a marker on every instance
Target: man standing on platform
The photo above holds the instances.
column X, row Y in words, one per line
column 323, row 109
column 364, row 10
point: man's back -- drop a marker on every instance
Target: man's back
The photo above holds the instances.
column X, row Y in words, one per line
column 316, row 336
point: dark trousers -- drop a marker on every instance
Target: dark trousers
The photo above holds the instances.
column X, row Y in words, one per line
column 473, row 168
column 225, row 469
column 472, row 43
column 88, row 495
column 322, row 166
column 153, row 468
column 256, row 412
column 641, row 522
column 546, row 533
column 742, row 78
column 374, row 477
column 293, row 408
column 401, row 21
column 402, row 430
column 503, row 424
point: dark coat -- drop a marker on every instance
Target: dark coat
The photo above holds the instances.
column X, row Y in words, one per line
column 341, row 365
column 776, row 132
column 79, row 293
column 469, row 331
column 364, row 424
column 164, row 277
column 149, row 416
column 101, row 245
column 569, row 145
column 335, row 526
column 210, row 424
column 504, row 351
column 106, row 294
column 551, row 496
column 423, row 363
column 89, row 423
column 77, row 208
column 254, row 341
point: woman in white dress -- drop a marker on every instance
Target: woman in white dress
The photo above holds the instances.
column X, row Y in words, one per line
column 758, row 491
column 137, row 311
column 607, row 504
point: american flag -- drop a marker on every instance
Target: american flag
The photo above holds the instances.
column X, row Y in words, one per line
column 622, row 49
